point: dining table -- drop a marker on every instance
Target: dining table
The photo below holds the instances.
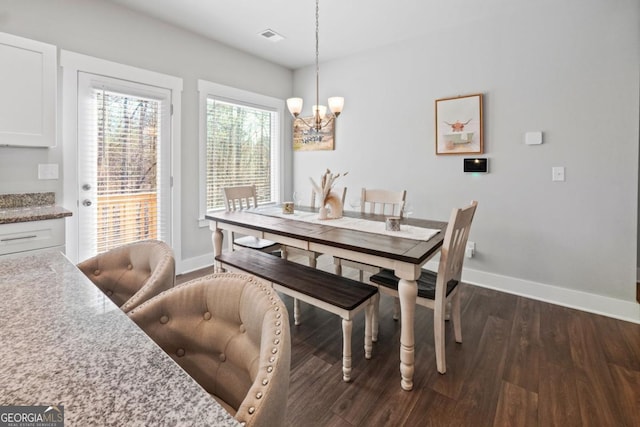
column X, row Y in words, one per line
column 357, row 236
column 70, row 354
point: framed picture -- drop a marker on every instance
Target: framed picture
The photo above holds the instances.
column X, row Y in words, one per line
column 459, row 125
column 308, row 139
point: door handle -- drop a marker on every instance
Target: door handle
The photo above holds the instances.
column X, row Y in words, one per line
column 86, row 202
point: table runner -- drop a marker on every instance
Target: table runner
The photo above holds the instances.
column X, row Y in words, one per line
column 359, row 224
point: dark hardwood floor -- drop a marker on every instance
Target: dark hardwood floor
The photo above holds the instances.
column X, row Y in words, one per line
column 521, row 363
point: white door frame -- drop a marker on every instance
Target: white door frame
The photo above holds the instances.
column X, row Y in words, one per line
column 72, row 63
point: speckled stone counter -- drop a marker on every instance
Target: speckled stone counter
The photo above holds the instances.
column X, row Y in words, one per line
column 63, row 342
column 29, row 207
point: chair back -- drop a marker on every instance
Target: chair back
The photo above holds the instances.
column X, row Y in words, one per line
column 230, row 332
column 338, row 190
column 240, row 197
column 382, row 201
column 453, row 247
column 132, row 273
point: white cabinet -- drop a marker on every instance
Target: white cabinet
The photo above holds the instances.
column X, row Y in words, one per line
column 31, row 235
column 28, row 86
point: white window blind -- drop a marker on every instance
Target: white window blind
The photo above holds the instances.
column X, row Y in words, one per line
column 123, row 163
column 239, row 149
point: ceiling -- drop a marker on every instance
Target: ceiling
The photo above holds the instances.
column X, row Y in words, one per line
column 346, row 26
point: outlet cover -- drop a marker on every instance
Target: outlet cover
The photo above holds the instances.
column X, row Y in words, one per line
column 48, row 171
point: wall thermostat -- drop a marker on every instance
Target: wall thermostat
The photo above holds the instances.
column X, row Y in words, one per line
column 476, row 165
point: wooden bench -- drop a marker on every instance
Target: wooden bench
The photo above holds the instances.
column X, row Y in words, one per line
column 335, row 294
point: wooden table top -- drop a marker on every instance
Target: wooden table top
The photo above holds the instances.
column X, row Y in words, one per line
column 391, row 247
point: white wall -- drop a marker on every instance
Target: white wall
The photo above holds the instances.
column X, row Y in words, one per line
column 108, row 31
column 569, row 69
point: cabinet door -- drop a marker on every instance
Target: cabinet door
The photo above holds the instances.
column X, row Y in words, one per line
column 28, row 86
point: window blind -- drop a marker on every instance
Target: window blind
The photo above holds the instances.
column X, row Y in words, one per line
column 239, row 149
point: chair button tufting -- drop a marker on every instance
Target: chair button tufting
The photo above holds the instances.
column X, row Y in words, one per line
column 96, row 273
column 278, row 331
column 269, row 369
column 276, row 341
column 164, row 319
column 252, row 409
column 265, row 381
column 207, row 315
column 274, row 350
column 180, row 352
column 222, row 357
column 129, row 267
column 278, row 323
column 243, row 329
column 259, row 395
column 272, row 359
column 278, row 316
column 109, row 293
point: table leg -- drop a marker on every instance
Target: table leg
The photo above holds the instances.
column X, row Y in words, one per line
column 408, row 291
column 216, row 237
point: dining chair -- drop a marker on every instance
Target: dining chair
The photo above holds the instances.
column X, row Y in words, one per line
column 239, row 198
column 230, row 333
column 288, row 251
column 385, row 202
column 436, row 289
column 132, row 273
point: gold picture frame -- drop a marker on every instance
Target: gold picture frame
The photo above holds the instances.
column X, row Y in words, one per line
column 459, row 128
column 308, row 139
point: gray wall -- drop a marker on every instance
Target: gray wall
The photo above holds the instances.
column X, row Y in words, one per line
column 108, row 31
column 569, row 69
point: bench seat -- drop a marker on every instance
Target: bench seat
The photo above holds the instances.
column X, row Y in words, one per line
column 335, row 294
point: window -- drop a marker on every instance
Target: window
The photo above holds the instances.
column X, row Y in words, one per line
column 239, row 143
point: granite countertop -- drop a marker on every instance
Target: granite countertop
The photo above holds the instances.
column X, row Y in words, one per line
column 65, row 343
column 30, row 207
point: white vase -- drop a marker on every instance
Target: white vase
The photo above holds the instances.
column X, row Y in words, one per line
column 322, row 213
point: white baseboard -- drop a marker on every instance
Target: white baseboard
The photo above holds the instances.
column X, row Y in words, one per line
column 196, row 263
column 592, row 303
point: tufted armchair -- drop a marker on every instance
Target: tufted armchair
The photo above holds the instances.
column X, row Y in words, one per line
column 132, row 273
column 230, row 332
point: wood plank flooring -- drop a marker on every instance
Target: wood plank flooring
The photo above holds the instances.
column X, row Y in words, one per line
column 521, row 363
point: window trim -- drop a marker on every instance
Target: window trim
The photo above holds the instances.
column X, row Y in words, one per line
column 206, row 90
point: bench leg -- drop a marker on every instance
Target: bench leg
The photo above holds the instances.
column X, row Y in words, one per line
column 368, row 320
column 347, row 325
column 296, row 311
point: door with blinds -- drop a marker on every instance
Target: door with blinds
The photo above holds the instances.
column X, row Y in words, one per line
column 123, row 163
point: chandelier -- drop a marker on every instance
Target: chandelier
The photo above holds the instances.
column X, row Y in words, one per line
column 319, row 111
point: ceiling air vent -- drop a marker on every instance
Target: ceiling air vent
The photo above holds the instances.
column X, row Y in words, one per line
column 270, row 35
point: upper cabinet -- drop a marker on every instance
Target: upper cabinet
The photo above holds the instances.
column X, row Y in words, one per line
column 28, row 86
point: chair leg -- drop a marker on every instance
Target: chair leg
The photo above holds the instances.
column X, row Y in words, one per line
column 438, row 335
column 455, row 311
column 296, row 311
column 361, row 275
column 375, row 302
column 337, row 266
column 368, row 320
column 283, row 252
column 347, row 326
column 396, row 308
column 447, row 311
column 313, row 261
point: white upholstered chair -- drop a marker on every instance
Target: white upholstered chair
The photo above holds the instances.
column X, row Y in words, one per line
column 230, row 332
column 435, row 290
column 245, row 197
column 131, row 274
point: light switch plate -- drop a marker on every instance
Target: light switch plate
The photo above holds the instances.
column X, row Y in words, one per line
column 48, row 171
column 557, row 173
column 533, row 138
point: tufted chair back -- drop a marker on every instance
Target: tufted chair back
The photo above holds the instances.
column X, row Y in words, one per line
column 132, row 273
column 230, row 332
